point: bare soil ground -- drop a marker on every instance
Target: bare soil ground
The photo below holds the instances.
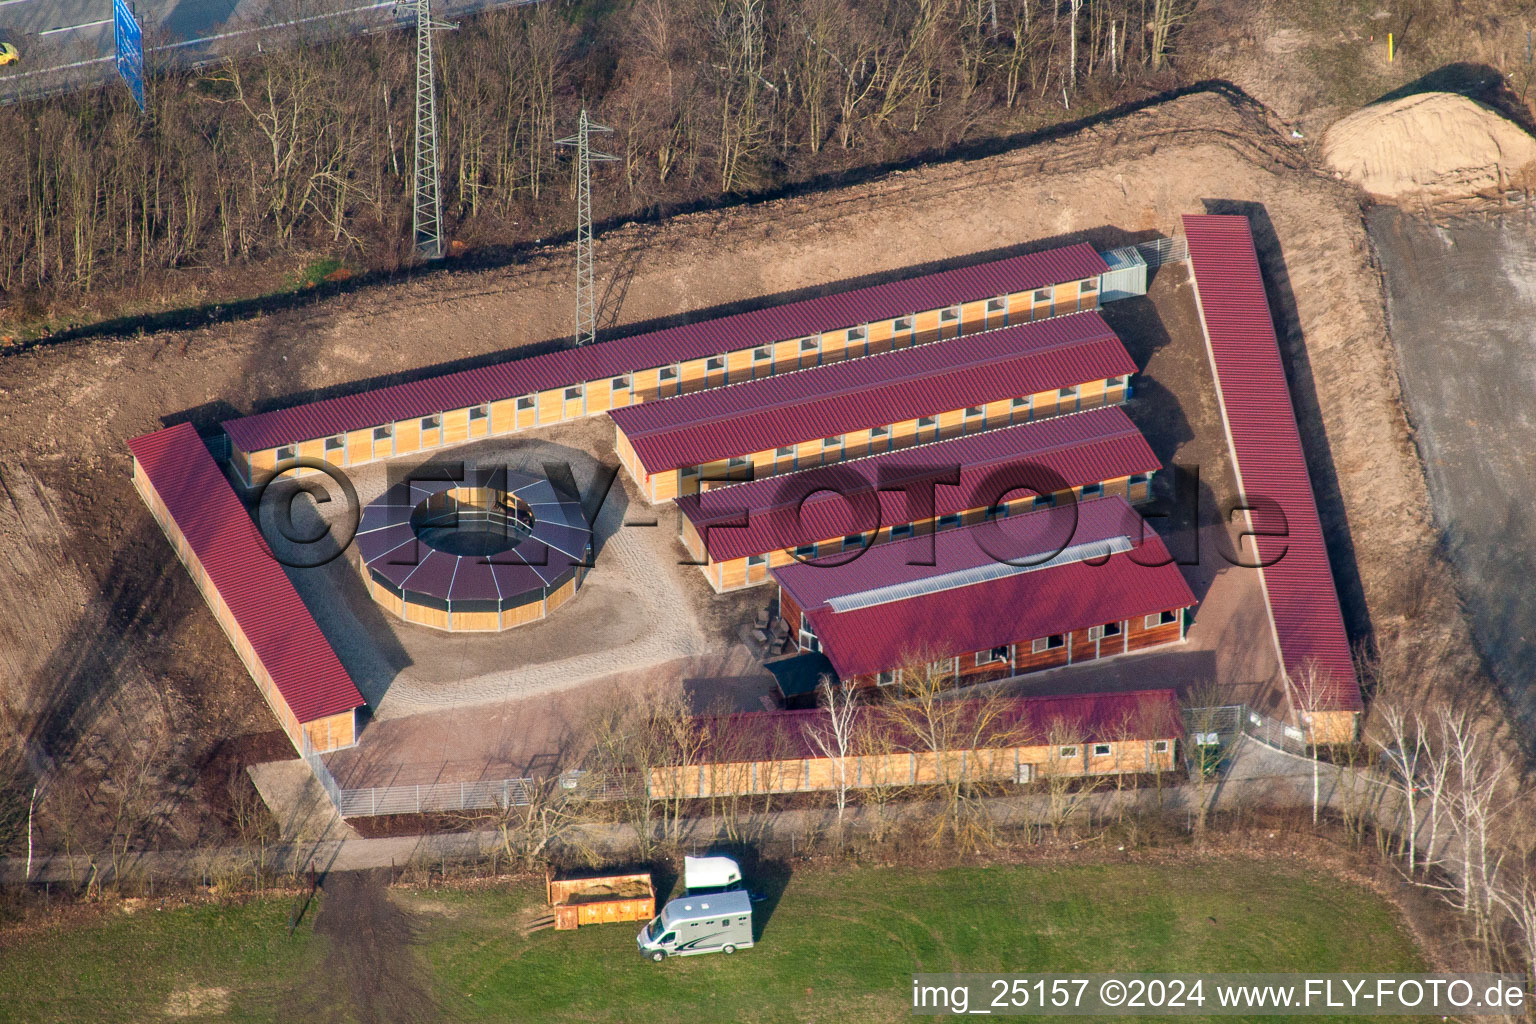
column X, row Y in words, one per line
column 105, row 628
column 1462, row 303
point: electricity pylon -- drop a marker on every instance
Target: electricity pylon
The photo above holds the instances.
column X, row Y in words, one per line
column 586, row 295
column 426, row 208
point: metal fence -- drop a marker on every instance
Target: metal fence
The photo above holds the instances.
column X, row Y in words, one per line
column 1220, row 726
column 435, row 797
column 1164, row 250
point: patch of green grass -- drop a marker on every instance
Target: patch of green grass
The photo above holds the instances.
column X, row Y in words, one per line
column 134, row 966
column 326, row 268
column 835, row 945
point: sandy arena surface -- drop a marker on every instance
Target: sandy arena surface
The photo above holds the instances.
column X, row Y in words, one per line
column 106, row 629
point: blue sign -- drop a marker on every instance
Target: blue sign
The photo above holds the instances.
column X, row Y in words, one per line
column 130, row 49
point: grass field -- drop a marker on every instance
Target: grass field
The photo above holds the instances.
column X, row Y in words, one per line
column 835, row 946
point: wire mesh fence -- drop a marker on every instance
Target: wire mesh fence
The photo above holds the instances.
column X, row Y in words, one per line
column 1164, row 250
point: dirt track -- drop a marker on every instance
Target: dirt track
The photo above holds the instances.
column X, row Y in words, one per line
column 106, row 628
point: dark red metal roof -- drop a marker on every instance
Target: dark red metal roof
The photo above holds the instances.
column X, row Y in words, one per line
column 660, row 348
column 976, row 587
column 914, row 484
column 240, row 565
column 1014, row 721
column 1256, row 403
column 826, row 401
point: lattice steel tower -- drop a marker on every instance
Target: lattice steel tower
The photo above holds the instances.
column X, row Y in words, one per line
column 586, row 295
column 426, row 212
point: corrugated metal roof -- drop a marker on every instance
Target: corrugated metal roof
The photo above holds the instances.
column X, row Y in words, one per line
column 660, row 348
column 240, row 565
column 914, row 484
column 827, row 401
column 1001, row 611
column 1261, row 420
column 1019, row 721
column 1029, row 539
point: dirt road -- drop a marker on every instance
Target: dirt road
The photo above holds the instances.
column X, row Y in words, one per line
column 106, row 630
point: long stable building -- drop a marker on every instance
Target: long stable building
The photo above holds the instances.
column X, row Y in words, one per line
column 1272, row 475
column 1017, row 740
column 520, row 394
column 274, row 634
column 882, row 403
column 738, row 533
column 1051, row 588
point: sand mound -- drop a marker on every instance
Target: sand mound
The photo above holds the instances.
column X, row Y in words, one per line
column 1437, row 143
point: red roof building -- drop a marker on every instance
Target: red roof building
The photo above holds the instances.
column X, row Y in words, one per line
column 894, row 400
column 739, row 532
column 1047, row 589
column 673, row 360
column 276, row 637
column 1272, row 472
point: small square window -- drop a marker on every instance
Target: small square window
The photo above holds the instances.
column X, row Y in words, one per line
column 525, row 403
column 431, row 422
column 903, row 323
column 1139, row 478
column 853, row 540
column 1110, row 629
column 1068, row 392
column 285, row 453
column 975, row 413
column 1160, row 619
column 714, row 363
column 949, row 315
column 572, row 394
column 479, row 412
column 785, row 453
column 948, row 522
column 832, row 442
column 1093, row 490
column 875, row 432
column 1068, row 751
column 809, row 344
column 899, row 532
column 382, row 433
column 887, row 678
column 1042, row 295
column 992, row 656
column 1090, row 285
column 997, row 305
column 856, row 334
column 762, row 354
column 756, row 560
column 1045, row 501
column 1101, row 750
column 692, row 471
column 805, row 551
column 925, row 421
column 620, row 383
column 336, row 444
column 1048, row 643
column 1023, row 403
column 668, row 372
column 1159, row 746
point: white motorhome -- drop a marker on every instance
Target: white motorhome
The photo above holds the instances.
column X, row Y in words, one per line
column 710, row 874
column 689, row 925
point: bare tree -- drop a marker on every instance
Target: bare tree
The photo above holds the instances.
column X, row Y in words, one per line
column 833, row 737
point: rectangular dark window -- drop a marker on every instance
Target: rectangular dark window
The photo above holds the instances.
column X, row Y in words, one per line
column 715, row 363
column 1093, row 490
column 898, row 532
column 668, row 372
column 382, row 433
column 1101, row 750
column 335, row 444
column 946, row 522
column 620, row 383
column 285, row 453
column 431, row 422
column 904, row 323
column 525, row 403
column 809, row 344
column 572, row 394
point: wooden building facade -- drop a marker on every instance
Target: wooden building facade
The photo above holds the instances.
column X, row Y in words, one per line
column 896, row 401
column 1078, row 735
column 737, row 535
column 557, row 387
column 1049, row 589
column 294, row 667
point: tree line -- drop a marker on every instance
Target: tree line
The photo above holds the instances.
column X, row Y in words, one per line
column 307, row 146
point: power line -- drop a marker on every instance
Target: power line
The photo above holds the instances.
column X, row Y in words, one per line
column 426, row 212
column 586, row 294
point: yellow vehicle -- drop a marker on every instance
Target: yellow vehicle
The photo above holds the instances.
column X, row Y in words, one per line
column 9, row 54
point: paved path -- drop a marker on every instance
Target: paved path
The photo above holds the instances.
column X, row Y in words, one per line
column 1259, row 776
